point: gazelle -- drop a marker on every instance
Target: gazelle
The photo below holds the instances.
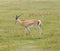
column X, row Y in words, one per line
column 28, row 24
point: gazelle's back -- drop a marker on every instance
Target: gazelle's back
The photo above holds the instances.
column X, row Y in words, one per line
column 30, row 22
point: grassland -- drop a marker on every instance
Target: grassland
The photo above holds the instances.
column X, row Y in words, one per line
column 12, row 35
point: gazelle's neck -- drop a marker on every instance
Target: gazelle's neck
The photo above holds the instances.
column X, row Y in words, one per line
column 20, row 22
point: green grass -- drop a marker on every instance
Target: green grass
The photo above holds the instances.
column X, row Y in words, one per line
column 12, row 35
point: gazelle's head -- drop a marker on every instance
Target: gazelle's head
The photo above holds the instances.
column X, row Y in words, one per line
column 17, row 19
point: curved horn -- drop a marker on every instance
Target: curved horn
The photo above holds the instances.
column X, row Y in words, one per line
column 18, row 16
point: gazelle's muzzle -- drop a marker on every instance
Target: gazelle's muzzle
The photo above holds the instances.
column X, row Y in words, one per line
column 16, row 22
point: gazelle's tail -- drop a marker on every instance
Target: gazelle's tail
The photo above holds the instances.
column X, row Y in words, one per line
column 39, row 22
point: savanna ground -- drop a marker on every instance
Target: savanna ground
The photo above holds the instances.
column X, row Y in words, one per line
column 12, row 35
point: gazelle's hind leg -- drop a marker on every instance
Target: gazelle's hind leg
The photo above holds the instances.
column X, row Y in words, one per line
column 39, row 30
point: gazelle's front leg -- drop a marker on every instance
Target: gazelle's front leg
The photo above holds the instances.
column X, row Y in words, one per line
column 25, row 32
column 28, row 28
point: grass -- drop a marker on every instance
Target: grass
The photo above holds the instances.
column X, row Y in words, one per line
column 12, row 35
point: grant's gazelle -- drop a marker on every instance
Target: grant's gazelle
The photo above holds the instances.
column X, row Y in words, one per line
column 29, row 24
